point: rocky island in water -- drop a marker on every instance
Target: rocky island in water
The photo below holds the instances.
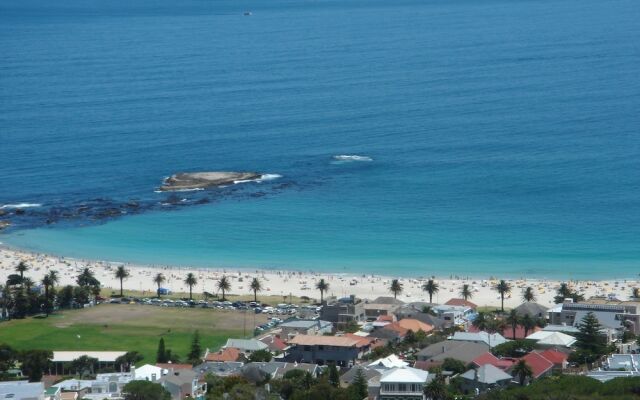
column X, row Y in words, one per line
column 203, row 180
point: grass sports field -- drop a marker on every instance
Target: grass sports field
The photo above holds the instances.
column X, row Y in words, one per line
column 128, row 328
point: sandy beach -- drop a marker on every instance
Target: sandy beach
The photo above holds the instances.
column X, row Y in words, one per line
column 299, row 283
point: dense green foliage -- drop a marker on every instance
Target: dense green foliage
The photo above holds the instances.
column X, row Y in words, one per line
column 145, row 390
column 571, row 387
column 514, row 348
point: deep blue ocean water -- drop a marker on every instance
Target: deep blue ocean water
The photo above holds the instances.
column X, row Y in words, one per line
column 505, row 135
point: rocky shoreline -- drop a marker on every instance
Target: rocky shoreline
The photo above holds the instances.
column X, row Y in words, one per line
column 204, row 180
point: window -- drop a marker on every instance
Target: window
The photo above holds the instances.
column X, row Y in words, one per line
column 402, row 387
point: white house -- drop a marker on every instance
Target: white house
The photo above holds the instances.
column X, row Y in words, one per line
column 147, row 372
column 22, row 390
column 403, row 383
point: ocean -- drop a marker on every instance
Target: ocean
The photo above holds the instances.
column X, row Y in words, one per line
column 497, row 137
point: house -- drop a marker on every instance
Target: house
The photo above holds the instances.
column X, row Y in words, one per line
column 390, row 331
column 461, row 303
column 617, row 365
column 403, row 383
column 540, row 366
column 343, row 351
column 147, row 372
column 488, row 358
column 223, row 369
column 184, row 383
column 507, row 331
column 610, row 316
column 228, row 354
column 103, row 386
column 245, row 346
column 558, row 358
column 491, row 340
column 415, row 325
column 436, row 353
column 293, row 327
column 22, row 390
column 106, row 359
column 343, row 311
column 277, row 369
column 408, row 311
column 274, row 343
column 387, row 363
column 53, row 393
column 384, row 305
column 455, row 315
column 484, row 378
column 552, row 339
column 348, row 377
column 532, row 309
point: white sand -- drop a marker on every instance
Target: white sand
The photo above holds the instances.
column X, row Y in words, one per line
column 297, row 283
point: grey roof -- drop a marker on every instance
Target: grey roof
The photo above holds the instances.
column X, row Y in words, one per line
column 493, row 339
column 219, row 368
column 487, row 374
column 305, row 323
column 606, row 319
column 350, row 375
column 456, row 349
column 532, row 309
column 246, row 344
column 21, row 390
column 427, row 318
column 561, row 328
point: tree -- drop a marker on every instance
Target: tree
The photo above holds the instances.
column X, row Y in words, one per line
column 359, row 385
column 20, row 303
column 224, row 285
column 527, row 323
column 263, row 355
column 466, row 292
column 334, row 376
column 159, row 279
column 8, row 358
column 145, row 390
column 47, row 283
column 503, row 288
column 528, row 294
column 191, row 281
column 589, row 339
column 84, row 365
column 514, row 348
column 436, row 389
column 21, row 268
column 34, row 363
column 522, row 370
column 322, row 286
column 395, row 288
column 480, row 321
column 122, row 273
column 635, row 293
column 431, row 287
column 195, row 353
column 453, row 365
column 255, row 286
column 80, row 295
column 129, row 359
column 88, row 282
column 161, row 355
column 565, row 292
column 65, row 298
column 513, row 320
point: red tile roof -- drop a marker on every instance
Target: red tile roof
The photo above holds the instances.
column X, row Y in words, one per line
column 385, row 318
column 461, row 302
column 539, row 365
column 363, row 341
column 402, row 332
column 558, row 358
column 488, row 358
column 415, row 325
column 274, row 342
column 228, row 354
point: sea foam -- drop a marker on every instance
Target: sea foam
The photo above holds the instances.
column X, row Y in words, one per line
column 20, row 205
column 353, row 157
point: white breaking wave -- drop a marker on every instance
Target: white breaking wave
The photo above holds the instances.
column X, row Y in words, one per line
column 344, row 157
column 179, row 190
column 263, row 178
column 20, row 205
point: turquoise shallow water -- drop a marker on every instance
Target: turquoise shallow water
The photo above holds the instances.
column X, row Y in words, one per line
column 504, row 135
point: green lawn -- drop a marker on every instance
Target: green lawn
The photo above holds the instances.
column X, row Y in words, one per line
column 127, row 328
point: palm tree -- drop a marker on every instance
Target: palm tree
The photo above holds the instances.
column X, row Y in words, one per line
column 21, row 268
column 527, row 323
column 436, row 389
column 28, row 284
column 191, row 281
column 635, row 293
column 224, row 285
column 466, row 292
column 122, row 274
column 86, row 278
column 159, row 279
column 395, row 288
column 53, row 276
column 431, row 287
column 47, row 283
column 523, row 371
column 529, row 294
column 513, row 320
column 480, row 321
column 503, row 288
column 256, row 286
column 322, row 286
